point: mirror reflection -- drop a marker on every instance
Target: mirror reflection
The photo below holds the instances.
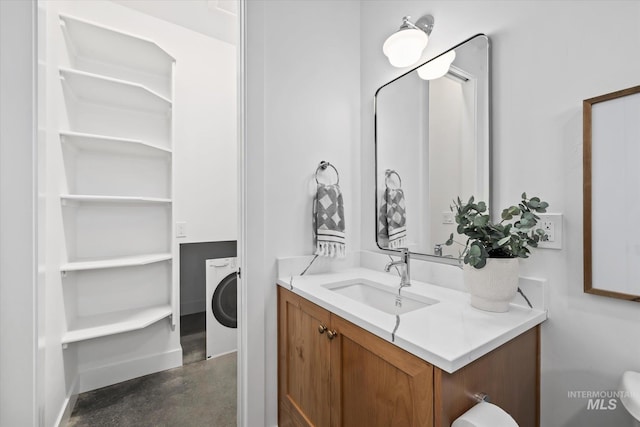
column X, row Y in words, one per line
column 432, row 145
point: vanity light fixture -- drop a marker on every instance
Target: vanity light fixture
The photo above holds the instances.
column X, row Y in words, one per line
column 438, row 67
column 405, row 46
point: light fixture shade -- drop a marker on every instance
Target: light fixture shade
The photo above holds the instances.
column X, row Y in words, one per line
column 404, row 48
column 438, row 67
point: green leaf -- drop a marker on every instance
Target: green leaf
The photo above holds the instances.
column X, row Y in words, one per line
column 449, row 241
column 482, row 206
column 506, row 215
column 477, row 255
column 481, row 220
column 524, row 196
column 475, row 250
column 480, row 263
column 504, row 240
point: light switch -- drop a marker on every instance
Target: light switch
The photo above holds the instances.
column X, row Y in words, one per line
column 181, row 229
column 447, row 217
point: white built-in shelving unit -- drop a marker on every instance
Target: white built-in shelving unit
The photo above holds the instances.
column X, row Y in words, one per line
column 88, row 198
column 127, row 261
column 109, row 144
column 116, row 144
column 102, row 325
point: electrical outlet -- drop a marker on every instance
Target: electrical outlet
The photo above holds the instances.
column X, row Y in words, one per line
column 549, row 227
column 551, row 223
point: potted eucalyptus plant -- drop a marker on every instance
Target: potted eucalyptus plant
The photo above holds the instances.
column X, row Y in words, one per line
column 492, row 250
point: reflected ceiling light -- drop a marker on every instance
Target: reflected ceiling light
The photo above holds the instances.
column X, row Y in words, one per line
column 405, row 46
column 438, row 67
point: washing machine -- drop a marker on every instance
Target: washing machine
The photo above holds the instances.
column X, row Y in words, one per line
column 222, row 306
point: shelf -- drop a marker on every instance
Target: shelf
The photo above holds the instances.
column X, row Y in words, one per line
column 130, row 261
column 104, row 143
column 98, row 89
column 113, row 199
column 104, row 44
column 102, row 325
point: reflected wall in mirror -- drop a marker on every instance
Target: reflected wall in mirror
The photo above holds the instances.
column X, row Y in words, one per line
column 611, row 132
column 432, row 144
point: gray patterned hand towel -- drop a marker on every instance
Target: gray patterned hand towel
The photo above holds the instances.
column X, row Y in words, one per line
column 392, row 219
column 329, row 221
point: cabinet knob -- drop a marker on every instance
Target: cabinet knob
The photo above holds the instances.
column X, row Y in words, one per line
column 332, row 334
column 322, row 328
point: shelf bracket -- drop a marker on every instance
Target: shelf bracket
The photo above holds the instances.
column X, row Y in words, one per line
column 173, row 324
column 63, row 273
column 65, row 345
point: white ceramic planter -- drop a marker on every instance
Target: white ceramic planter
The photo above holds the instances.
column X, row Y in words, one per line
column 493, row 286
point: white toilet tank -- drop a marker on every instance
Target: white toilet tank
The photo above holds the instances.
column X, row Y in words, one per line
column 485, row 414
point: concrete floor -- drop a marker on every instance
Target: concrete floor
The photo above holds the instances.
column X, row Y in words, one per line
column 201, row 393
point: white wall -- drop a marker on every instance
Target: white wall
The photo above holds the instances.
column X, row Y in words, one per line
column 547, row 58
column 18, row 298
column 303, row 89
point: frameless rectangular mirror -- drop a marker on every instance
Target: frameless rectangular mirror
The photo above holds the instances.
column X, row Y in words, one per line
column 611, row 132
column 432, row 131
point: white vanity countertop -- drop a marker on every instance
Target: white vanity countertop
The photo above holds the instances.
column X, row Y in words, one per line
column 449, row 334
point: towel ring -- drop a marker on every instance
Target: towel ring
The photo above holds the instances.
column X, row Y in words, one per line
column 387, row 176
column 323, row 166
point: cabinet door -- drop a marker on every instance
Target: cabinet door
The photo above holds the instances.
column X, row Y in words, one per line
column 375, row 383
column 303, row 362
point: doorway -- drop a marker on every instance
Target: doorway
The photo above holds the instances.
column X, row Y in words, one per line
column 141, row 146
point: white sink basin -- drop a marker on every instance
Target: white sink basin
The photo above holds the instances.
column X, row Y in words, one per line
column 380, row 297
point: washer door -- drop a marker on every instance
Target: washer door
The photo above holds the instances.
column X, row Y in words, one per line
column 224, row 303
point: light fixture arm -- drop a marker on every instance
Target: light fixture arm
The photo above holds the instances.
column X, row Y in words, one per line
column 423, row 24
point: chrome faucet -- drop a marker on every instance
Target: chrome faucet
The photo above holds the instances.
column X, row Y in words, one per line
column 404, row 264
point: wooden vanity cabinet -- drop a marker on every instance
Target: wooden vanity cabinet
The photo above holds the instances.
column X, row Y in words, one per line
column 304, row 356
column 376, row 384
column 334, row 373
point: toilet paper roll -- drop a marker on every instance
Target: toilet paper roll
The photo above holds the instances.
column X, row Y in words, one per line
column 485, row 414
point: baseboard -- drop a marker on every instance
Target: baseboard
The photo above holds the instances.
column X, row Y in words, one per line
column 226, row 353
column 67, row 406
column 123, row 371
